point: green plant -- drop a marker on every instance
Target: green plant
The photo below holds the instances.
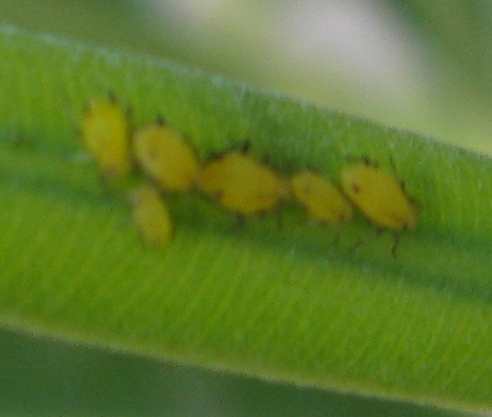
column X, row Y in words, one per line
column 289, row 304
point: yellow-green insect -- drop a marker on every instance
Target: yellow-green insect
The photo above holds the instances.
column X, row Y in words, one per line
column 242, row 184
column 104, row 130
column 322, row 200
column 165, row 156
column 151, row 216
column 380, row 197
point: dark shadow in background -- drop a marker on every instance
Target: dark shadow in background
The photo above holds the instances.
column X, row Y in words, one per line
column 41, row 376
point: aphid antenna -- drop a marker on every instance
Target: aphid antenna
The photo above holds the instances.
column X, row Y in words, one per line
column 403, row 186
column 395, row 170
column 370, row 162
column 68, row 107
column 364, row 159
column 109, row 92
column 415, row 203
column 397, row 175
column 266, row 159
column 234, row 146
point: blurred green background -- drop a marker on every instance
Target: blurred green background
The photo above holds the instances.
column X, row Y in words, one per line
column 420, row 65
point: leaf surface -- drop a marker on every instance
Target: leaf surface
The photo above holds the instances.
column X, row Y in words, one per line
column 289, row 304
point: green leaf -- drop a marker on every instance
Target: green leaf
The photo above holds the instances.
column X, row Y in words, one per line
column 290, row 304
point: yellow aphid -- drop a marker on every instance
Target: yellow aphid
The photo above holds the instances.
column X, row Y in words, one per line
column 322, row 200
column 380, row 197
column 104, row 130
column 166, row 157
column 151, row 215
column 243, row 185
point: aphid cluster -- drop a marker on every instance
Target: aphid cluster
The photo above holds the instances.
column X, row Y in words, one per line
column 233, row 179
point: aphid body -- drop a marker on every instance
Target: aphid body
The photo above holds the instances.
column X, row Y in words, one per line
column 166, row 157
column 379, row 196
column 104, row 130
column 242, row 184
column 322, row 200
column 151, row 216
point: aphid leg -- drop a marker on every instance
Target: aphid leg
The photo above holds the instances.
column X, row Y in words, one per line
column 103, row 181
column 280, row 219
column 234, row 146
column 129, row 113
column 112, row 98
column 160, row 120
column 396, row 242
column 363, row 241
column 86, row 108
column 216, row 155
column 337, row 235
column 240, row 221
column 353, row 248
column 265, row 159
column 244, row 147
column 173, row 231
column 72, row 114
column 145, row 242
column 365, row 160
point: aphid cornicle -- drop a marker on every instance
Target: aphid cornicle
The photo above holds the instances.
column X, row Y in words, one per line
column 164, row 155
column 151, row 216
column 104, row 130
column 243, row 185
column 322, row 200
column 380, row 197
